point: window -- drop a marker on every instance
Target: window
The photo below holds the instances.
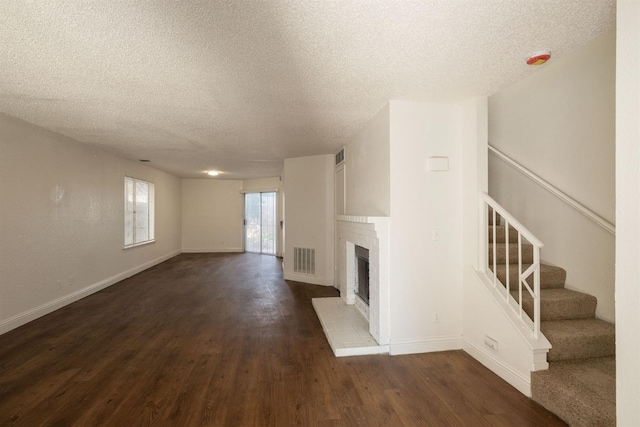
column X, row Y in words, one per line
column 139, row 209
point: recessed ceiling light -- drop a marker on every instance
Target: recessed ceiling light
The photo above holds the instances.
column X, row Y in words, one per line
column 213, row 173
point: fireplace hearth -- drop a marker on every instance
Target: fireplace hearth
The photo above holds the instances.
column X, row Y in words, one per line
column 362, row 276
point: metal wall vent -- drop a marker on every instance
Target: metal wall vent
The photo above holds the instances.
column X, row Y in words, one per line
column 340, row 157
column 304, row 260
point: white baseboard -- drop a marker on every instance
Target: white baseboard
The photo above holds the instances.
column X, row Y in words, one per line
column 209, row 250
column 426, row 346
column 46, row 308
column 305, row 278
column 507, row 373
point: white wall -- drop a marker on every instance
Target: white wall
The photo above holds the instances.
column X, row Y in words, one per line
column 628, row 213
column 273, row 183
column 367, row 169
column 559, row 123
column 426, row 277
column 211, row 215
column 309, row 222
column 267, row 185
column 62, row 221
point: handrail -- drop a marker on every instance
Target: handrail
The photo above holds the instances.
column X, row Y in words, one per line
column 524, row 274
column 556, row 192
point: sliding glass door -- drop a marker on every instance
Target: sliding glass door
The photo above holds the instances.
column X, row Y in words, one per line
column 260, row 220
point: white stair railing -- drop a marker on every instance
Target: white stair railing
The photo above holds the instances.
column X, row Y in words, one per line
column 528, row 276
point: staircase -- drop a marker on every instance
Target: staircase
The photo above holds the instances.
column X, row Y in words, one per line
column 579, row 385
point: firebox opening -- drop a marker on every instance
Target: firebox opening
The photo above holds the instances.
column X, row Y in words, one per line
column 362, row 259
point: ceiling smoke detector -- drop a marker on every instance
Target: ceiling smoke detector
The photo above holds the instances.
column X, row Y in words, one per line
column 539, row 58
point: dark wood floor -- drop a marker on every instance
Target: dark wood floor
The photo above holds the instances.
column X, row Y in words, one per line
column 223, row 340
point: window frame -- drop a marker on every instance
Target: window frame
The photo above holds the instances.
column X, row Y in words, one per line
column 131, row 213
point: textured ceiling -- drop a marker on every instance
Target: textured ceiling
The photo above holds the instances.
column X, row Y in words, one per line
column 241, row 85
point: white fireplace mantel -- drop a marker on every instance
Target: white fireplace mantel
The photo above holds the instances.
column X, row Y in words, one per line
column 382, row 220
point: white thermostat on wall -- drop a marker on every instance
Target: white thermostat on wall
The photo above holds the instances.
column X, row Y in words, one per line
column 437, row 164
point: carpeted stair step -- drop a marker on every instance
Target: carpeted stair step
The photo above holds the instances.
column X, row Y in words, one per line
column 559, row 304
column 579, row 339
column 581, row 392
column 527, row 253
column 579, row 385
column 500, row 234
column 550, row 276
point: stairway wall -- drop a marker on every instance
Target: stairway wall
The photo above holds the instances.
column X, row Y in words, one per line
column 571, row 241
column 513, row 360
column 560, row 124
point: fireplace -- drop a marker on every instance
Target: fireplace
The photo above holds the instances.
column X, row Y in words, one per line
column 363, row 270
column 362, row 273
column 357, row 322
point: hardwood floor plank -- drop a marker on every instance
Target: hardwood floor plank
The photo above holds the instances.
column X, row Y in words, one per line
column 223, row 340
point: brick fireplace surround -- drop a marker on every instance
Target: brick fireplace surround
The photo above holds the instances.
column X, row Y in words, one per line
column 350, row 326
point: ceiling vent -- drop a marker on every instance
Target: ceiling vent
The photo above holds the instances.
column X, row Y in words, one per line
column 340, row 157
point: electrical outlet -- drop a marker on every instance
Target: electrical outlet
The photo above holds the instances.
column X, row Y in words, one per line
column 436, row 317
column 491, row 343
column 435, row 235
